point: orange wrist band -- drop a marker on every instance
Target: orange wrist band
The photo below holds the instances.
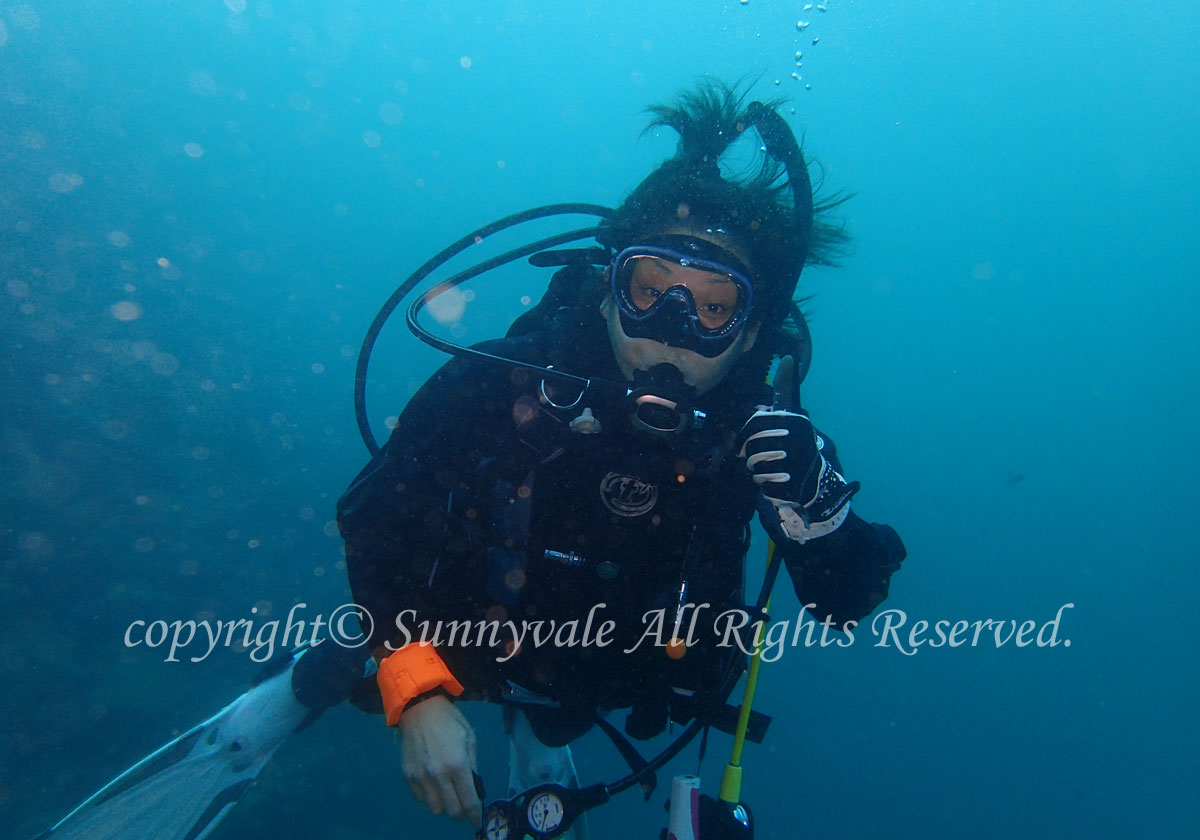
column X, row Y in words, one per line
column 410, row 672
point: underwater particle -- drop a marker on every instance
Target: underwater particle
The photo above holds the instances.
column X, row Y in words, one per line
column 983, row 272
column 65, row 182
column 53, row 379
column 319, row 571
column 501, row 164
column 236, row 6
column 200, row 453
column 822, row 8
column 807, row 86
column 807, row 7
column 25, row 17
column 208, row 385
column 36, row 544
column 372, row 139
column 468, row 295
column 391, row 113
column 465, row 62
column 526, row 300
column 24, row 226
column 164, row 364
column 318, row 368
column 201, row 84
column 118, row 239
column 816, row 40
column 144, row 544
column 13, row 95
column 298, row 100
column 162, row 262
column 744, row 2
column 125, row 310
column 142, row 501
column 253, row 543
column 307, row 512
column 193, row 150
column 448, row 307
column 796, row 76
column 330, row 528
column 17, row 288
column 251, row 260
column 33, row 140
column 802, row 25
column 515, row 579
column 115, row 430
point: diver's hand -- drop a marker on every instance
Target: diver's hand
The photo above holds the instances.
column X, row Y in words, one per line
column 783, row 453
column 438, row 755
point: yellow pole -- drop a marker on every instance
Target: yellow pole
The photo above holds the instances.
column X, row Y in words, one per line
column 731, row 780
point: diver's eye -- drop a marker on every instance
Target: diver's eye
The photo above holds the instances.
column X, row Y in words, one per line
column 714, row 315
column 644, row 296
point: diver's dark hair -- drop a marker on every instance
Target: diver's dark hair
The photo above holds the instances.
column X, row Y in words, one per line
column 754, row 210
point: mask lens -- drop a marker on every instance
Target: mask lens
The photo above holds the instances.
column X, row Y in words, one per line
column 715, row 297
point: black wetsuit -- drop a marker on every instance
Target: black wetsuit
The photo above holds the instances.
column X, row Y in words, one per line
column 486, row 505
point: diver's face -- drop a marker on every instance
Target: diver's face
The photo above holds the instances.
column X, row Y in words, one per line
column 713, row 299
column 701, row 372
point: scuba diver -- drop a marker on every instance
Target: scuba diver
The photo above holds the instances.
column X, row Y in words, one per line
column 509, row 494
column 560, row 518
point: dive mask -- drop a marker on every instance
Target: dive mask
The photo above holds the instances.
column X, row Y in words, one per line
column 682, row 291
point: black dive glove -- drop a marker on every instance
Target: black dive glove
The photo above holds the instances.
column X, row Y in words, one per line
column 783, row 452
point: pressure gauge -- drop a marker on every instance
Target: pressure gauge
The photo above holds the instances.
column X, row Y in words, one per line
column 545, row 812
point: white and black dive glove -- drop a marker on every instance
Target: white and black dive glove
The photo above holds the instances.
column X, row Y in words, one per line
column 783, row 452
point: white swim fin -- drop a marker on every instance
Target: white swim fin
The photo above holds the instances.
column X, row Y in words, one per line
column 532, row 763
column 183, row 790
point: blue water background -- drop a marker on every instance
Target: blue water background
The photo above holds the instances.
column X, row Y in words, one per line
column 1007, row 362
